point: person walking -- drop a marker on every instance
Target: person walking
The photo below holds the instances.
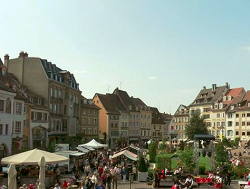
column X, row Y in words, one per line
column 114, row 179
column 134, row 172
column 124, row 174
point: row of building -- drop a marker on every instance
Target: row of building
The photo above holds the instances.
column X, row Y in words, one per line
column 226, row 113
column 40, row 102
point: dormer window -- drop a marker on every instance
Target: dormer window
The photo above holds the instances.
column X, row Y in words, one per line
column 50, row 74
column 213, row 93
column 39, row 101
column 31, row 99
column 3, row 71
column 215, row 106
column 232, row 107
column 54, row 76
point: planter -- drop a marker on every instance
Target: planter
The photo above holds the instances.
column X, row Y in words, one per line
column 142, row 176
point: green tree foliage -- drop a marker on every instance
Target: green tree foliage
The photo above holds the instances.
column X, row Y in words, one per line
column 196, row 125
column 221, row 155
column 163, row 161
column 51, row 147
column 142, row 165
column 187, row 158
column 152, row 151
column 163, row 145
column 181, row 145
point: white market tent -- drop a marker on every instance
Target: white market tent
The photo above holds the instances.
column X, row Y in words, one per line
column 94, row 144
column 126, row 153
column 32, row 157
column 82, row 149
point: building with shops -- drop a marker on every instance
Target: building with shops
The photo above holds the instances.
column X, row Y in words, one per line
column 57, row 87
column 205, row 101
column 157, row 125
column 89, row 123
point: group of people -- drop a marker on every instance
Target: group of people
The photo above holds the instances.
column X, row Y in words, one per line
column 97, row 172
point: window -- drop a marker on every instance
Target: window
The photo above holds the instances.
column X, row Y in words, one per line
column 8, row 106
column 1, row 105
column 230, row 115
column 243, row 133
column 39, row 116
column 243, row 123
column 230, row 123
column 237, row 123
column 218, row 115
column 237, row 133
column 51, row 107
column 18, row 108
column 95, row 121
column 248, row 123
column 218, row 124
column 6, row 129
column 39, row 101
column 1, row 129
column 65, row 109
column 248, row 133
column 18, row 127
column 112, row 125
column 237, row 115
column 51, row 92
column 90, row 131
column 243, row 115
column 248, row 114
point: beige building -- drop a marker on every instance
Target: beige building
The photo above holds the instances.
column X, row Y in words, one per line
column 180, row 120
column 218, row 112
column 58, row 87
column 89, row 125
column 157, row 125
column 204, row 103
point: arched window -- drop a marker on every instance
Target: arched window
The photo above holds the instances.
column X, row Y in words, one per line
column 8, row 106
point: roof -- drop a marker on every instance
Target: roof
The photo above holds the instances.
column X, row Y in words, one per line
column 1, row 62
column 209, row 96
column 166, row 116
column 64, row 74
column 125, row 99
column 107, row 103
column 87, row 103
column 156, row 116
column 236, row 101
column 235, row 91
column 186, row 111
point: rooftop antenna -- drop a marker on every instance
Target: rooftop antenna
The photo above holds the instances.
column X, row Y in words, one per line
column 108, row 87
column 120, row 85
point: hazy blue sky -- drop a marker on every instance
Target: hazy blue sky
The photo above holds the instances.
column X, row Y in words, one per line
column 162, row 51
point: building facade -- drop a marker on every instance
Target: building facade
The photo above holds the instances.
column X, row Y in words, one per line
column 58, row 87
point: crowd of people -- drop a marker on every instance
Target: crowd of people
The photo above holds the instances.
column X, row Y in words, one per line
column 99, row 171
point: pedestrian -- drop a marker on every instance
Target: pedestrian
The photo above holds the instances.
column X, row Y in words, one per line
column 134, row 172
column 114, row 179
column 57, row 186
column 124, row 173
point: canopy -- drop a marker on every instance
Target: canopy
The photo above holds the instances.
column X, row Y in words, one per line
column 12, row 177
column 134, row 147
column 94, row 144
column 82, row 149
column 77, row 154
column 33, row 156
column 126, row 153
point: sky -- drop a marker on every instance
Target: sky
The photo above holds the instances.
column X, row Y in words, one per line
column 163, row 52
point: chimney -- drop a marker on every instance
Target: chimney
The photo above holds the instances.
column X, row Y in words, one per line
column 26, row 54
column 227, row 85
column 204, row 87
column 213, row 87
column 21, row 54
column 6, row 59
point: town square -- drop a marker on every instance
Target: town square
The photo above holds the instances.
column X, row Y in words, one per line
column 124, row 94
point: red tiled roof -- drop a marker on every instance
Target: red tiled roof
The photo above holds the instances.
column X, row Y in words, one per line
column 235, row 92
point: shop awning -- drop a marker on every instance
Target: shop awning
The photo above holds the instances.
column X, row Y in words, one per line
column 77, row 154
column 82, row 149
column 126, row 153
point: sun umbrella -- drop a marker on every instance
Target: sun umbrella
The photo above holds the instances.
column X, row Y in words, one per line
column 42, row 165
column 33, row 156
column 12, row 177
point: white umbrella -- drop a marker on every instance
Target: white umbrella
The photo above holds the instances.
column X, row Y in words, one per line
column 12, row 177
column 33, row 156
column 42, row 165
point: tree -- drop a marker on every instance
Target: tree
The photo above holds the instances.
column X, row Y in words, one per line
column 142, row 165
column 152, row 150
column 196, row 125
column 181, row 145
column 187, row 159
column 221, row 155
